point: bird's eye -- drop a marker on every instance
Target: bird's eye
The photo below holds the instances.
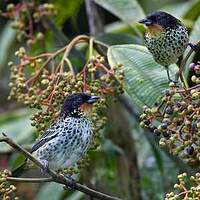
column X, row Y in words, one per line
column 77, row 103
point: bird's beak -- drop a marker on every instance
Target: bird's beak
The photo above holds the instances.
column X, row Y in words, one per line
column 145, row 21
column 92, row 99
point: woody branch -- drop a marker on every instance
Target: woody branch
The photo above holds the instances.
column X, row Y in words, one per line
column 54, row 177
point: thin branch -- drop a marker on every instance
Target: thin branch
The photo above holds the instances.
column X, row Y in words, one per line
column 29, row 180
column 188, row 89
column 76, row 40
column 182, row 66
column 70, row 66
column 62, row 38
column 84, row 38
column 58, row 178
column 94, row 19
column 181, row 69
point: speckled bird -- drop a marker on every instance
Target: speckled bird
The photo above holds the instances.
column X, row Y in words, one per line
column 67, row 140
column 166, row 38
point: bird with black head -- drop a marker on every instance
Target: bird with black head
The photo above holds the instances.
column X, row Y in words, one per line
column 67, row 140
column 166, row 38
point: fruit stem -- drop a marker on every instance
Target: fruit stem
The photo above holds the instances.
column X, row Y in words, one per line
column 182, row 65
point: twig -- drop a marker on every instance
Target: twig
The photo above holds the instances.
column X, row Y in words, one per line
column 188, row 89
column 84, row 38
column 76, row 40
column 57, row 178
column 94, row 19
column 70, row 66
column 29, row 180
column 50, row 58
column 91, row 47
column 181, row 68
column 182, row 65
column 62, row 38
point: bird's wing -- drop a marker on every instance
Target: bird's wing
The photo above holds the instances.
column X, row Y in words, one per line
column 48, row 135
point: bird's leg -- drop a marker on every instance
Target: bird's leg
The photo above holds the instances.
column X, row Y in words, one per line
column 45, row 163
column 168, row 76
column 71, row 181
column 194, row 47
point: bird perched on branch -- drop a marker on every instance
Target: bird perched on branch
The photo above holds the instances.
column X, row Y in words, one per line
column 67, row 140
column 166, row 38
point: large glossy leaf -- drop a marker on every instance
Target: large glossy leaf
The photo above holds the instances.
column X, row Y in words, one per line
column 127, row 10
column 178, row 9
column 136, row 30
column 17, row 126
column 193, row 10
column 145, row 80
column 118, row 27
column 118, row 38
column 195, row 33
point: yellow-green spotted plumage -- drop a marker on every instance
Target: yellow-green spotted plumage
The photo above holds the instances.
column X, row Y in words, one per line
column 168, row 46
column 166, row 37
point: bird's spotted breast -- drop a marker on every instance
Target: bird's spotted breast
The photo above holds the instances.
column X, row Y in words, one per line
column 70, row 144
column 168, row 46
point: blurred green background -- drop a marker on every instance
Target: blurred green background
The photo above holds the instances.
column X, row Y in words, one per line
column 130, row 163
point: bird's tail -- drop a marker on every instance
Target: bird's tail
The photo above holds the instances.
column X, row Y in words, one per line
column 19, row 171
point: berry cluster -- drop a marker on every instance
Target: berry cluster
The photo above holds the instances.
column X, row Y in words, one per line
column 42, row 82
column 176, row 120
column 27, row 19
column 6, row 191
column 196, row 68
column 186, row 188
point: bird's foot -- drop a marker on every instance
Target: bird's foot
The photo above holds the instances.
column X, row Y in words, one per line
column 170, row 81
column 194, row 47
column 173, row 83
column 45, row 163
column 71, row 182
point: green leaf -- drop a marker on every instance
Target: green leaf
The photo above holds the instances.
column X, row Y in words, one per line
column 195, row 33
column 7, row 39
column 51, row 190
column 145, row 80
column 75, row 196
column 193, row 11
column 178, row 9
column 14, row 115
column 118, row 27
column 66, row 9
column 18, row 128
column 127, row 10
column 118, row 38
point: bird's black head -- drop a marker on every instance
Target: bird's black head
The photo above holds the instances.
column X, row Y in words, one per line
column 162, row 19
column 73, row 102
